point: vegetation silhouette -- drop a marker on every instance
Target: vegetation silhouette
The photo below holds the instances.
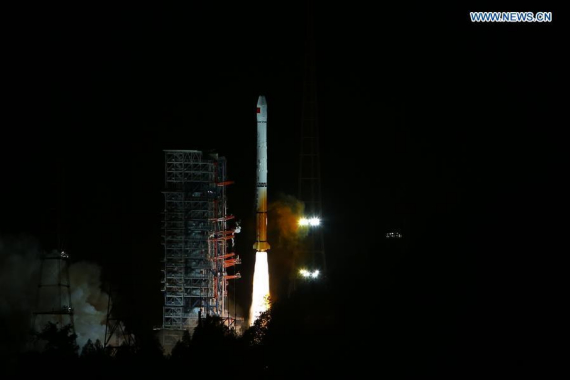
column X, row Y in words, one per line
column 309, row 334
column 58, row 342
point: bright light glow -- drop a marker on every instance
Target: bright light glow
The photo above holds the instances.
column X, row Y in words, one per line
column 260, row 295
column 308, row 274
column 309, row 222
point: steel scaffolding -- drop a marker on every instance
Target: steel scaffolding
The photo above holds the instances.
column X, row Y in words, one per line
column 197, row 239
column 117, row 336
column 53, row 298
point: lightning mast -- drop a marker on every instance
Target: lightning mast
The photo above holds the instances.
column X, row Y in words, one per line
column 309, row 191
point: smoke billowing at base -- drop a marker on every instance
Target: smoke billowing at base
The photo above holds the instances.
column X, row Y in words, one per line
column 89, row 302
column 19, row 279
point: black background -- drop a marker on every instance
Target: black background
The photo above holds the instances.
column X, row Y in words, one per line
column 429, row 123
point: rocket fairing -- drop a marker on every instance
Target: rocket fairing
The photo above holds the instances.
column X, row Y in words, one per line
column 261, row 244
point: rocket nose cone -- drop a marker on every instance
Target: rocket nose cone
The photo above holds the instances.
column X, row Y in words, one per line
column 261, row 101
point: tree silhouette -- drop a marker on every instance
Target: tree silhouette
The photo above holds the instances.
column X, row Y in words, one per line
column 88, row 349
column 182, row 348
column 211, row 331
column 93, row 350
column 59, row 342
column 256, row 334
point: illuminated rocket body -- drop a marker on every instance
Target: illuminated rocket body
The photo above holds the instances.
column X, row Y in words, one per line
column 260, row 293
column 261, row 244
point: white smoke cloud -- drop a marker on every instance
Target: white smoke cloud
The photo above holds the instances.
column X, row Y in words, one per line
column 89, row 302
column 19, row 278
column 19, row 269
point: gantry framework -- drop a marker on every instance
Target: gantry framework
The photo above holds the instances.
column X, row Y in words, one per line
column 117, row 336
column 53, row 299
column 197, row 239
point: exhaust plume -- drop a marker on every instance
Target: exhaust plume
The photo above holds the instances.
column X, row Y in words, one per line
column 19, row 278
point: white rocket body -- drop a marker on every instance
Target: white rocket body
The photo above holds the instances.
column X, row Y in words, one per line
column 261, row 244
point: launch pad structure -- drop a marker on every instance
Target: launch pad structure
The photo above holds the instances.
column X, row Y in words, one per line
column 117, row 336
column 53, row 297
column 198, row 236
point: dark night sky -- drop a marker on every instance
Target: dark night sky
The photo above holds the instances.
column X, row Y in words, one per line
column 439, row 127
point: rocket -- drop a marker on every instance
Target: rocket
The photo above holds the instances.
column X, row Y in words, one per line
column 261, row 244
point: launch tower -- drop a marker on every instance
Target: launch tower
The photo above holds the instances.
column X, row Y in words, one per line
column 197, row 239
column 53, row 302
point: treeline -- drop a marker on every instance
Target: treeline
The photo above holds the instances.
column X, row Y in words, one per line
column 310, row 334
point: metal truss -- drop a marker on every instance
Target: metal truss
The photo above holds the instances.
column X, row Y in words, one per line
column 196, row 239
column 117, row 336
column 53, row 302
